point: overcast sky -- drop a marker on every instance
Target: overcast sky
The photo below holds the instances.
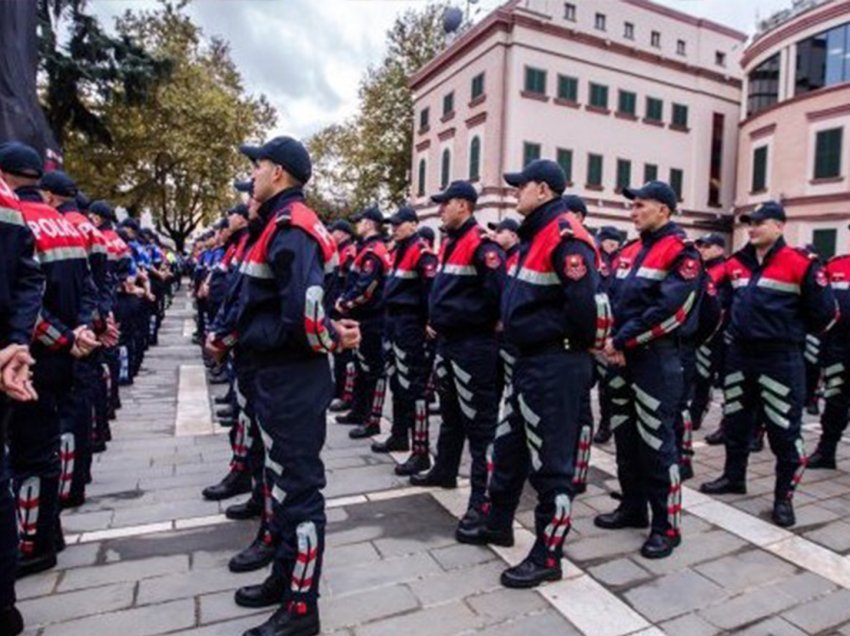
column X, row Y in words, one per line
column 308, row 56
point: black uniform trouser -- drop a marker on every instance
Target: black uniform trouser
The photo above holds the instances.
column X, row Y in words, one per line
column 406, row 337
column 292, row 397
column 8, row 520
column 600, row 372
column 341, row 360
column 76, row 417
column 538, row 438
column 684, row 418
column 101, row 396
column 836, row 362
column 34, row 453
column 245, row 439
column 369, row 359
column 466, row 380
column 765, row 386
column 709, row 367
column 125, row 309
column 812, row 358
column 645, row 398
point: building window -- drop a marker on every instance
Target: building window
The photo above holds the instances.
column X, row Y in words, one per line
column 420, row 190
column 449, row 104
column 676, row 179
column 567, row 88
column 594, row 171
column 828, row 153
column 564, row 158
column 654, row 109
column 720, row 58
column 763, row 86
column 760, row 169
column 715, row 174
column 569, row 11
column 530, row 152
column 824, row 242
column 423, row 118
column 680, row 116
column 598, row 96
column 445, row 169
column 599, row 22
column 535, row 80
column 655, row 39
column 477, row 86
column 650, row 172
column 629, row 31
column 681, row 47
column 627, row 103
column 624, row 174
column 823, row 60
column 475, row 159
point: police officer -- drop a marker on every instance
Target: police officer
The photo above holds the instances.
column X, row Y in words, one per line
column 281, row 325
column 549, row 311
column 836, row 364
column 363, row 300
column 406, row 301
column 657, row 294
column 343, row 235
column 463, row 314
column 505, row 233
column 21, row 284
column 779, row 295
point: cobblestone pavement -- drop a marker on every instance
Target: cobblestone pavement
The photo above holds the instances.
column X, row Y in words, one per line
column 147, row 555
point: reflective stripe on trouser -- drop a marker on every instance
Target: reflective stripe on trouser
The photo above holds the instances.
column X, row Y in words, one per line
column 768, row 387
column 645, row 399
column 537, row 438
column 836, row 371
column 709, row 359
column 248, row 452
column 466, row 376
column 406, row 338
column 684, row 423
column 585, row 437
column 8, row 529
column 77, row 418
column 343, row 375
column 369, row 362
column 291, row 400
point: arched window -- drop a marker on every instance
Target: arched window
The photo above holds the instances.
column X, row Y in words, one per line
column 475, row 159
column 420, row 191
column 446, row 169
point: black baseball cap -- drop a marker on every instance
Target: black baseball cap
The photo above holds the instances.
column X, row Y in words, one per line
column 373, row 214
column 246, row 186
column 241, row 210
column 404, row 215
column 457, row 190
column 342, row 225
column 609, row 232
column 540, row 171
column 83, row 202
column 59, row 184
column 712, row 238
column 284, row 151
column 510, row 225
column 427, row 233
column 132, row 224
column 575, row 204
column 102, row 209
column 220, row 224
column 21, row 160
column 654, row 191
column 769, row 210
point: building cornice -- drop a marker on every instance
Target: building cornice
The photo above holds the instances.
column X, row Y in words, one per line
column 794, row 100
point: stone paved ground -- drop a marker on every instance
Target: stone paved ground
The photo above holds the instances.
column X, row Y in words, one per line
column 147, row 555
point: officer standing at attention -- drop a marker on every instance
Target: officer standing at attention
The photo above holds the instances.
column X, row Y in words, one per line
column 779, row 295
column 464, row 312
column 282, row 327
column 406, row 300
column 656, row 296
column 550, row 311
column 343, row 235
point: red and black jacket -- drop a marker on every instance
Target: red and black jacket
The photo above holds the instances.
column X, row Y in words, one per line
column 779, row 300
column 657, row 288
column 279, row 299
column 838, row 272
column 222, row 275
column 553, row 298
column 363, row 296
column 335, row 283
column 70, row 296
column 119, row 258
column 467, row 290
column 21, row 279
column 411, row 275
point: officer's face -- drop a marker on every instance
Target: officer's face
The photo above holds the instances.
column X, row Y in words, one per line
column 267, row 179
column 530, row 196
column 648, row 214
column 765, row 233
column 454, row 212
column 339, row 236
column 609, row 246
column 506, row 239
column 709, row 252
column 404, row 230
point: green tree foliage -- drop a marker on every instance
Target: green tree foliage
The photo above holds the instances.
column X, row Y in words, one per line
column 175, row 154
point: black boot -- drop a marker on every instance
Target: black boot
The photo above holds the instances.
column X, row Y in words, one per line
column 717, row 438
column 266, row 594
column 431, row 478
column 529, row 574
column 247, row 510
column 285, row 622
column 392, row 444
column 227, row 413
column 339, row 405
column 686, row 471
column 236, row 483
column 822, row 458
column 783, row 513
column 11, row 621
column 724, row 486
column 480, row 534
column 223, row 400
column 659, row 546
column 350, row 419
column 35, row 564
column 365, row 431
column 603, row 435
column 255, row 557
column 416, row 463
column 621, row 518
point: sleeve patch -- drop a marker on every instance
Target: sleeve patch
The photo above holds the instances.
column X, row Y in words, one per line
column 492, row 259
column 574, row 267
column 368, row 266
column 689, row 269
column 821, row 279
